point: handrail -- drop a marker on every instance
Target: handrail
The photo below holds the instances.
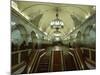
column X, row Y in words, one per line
column 87, row 49
column 74, row 59
column 30, row 66
column 13, row 67
column 39, row 60
column 83, row 48
column 17, row 66
column 49, row 68
column 19, row 54
column 88, row 60
column 15, row 52
column 79, row 60
column 62, row 62
column 33, row 61
column 52, row 61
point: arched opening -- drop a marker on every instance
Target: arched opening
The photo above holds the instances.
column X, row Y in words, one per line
column 34, row 39
column 19, row 35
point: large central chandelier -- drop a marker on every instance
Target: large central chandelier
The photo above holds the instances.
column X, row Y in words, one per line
column 57, row 23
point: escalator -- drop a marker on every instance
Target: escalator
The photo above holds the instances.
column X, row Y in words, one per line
column 32, row 54
column 69, row 62
column 43, row 63
column 57, row 63
column 53, row 61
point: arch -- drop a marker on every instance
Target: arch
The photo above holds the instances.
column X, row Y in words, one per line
column 33, row 35
column 87, row 30
column 20, row 31
column 48, row 5
column 78, row 39
column 90, row 35
column 36, row 20
column 78, row 34
column 34, row 39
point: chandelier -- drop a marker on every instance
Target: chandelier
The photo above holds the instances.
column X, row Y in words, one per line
column 57, row 23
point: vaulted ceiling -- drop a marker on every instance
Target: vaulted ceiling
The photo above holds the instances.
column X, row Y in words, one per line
column 41, row 14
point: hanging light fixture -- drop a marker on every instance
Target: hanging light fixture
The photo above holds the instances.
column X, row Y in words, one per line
column 57, row 23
